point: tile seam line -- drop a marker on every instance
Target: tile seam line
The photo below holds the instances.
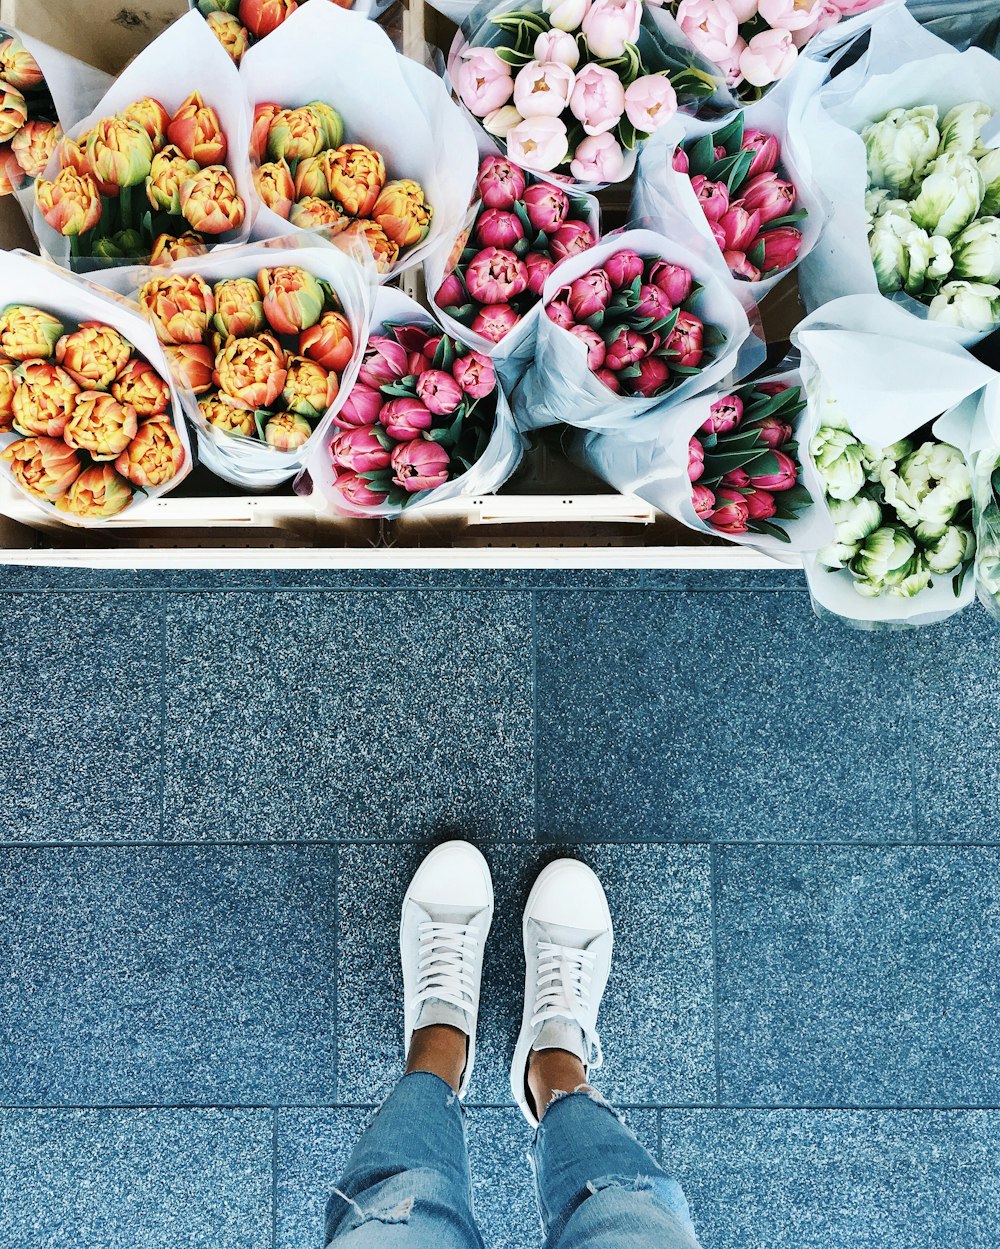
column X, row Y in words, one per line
column 277, row 1108
column 274, row 1177
column 421, row 839
column 415, row 588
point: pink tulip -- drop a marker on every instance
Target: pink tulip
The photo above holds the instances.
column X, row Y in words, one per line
column 359, row 490
column 543, row 88
column 703, row 500
column 769, row 195
column 729, row 65
column 761, row 505
column 417, row 363
column 539, row 267
column 451, row 292
column 475, row 374
column 740, row 266
column 493, row 321
column 439, row 392
column 787, row 14
column 596, row 350
column 783, row 477
column 500, row 183
column 731, row 514
column 674, row 280
column 650, row 102
column 496, row 276
column 849, row 8
column 362, row 407
column 696, row 459
column 599, row 158
column 724, row 415
column 359, row 450
column 824, row 15
column 546, row 206
column 654, row 374
column 744, row 9
column 772, row 431
column 420, row 465
column 497, row 228
column 768, row 57
column 482, row 80
column 557, row 310
column 589, row 294
column 609, row 379
column 627, row 347
column 680, row 161
column 739, row 227
column 653, row 303
column 781, row 247
column 538, row 143
column 571, row 239
column 609, row 25
column 598, row 99
column 712, row 197
column 557, row 45
column 711, row 26
column 766, row 150
column 718, row 234
column 384, row 362
column 738, row 478
column 771, row 388
column 623, row 268
column 685, row 341
column 405, row 418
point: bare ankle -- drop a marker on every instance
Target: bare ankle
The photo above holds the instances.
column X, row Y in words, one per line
column 551, row 1072
column 440, row 1050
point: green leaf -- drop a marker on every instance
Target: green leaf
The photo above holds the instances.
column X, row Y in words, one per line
column 511, row 56
column 765, row 526
column 399, row 390
column 384, row 441
column 788, row 219
column 756, row 255
column 444, row 356
column 730, row 136
column 701, row 155
column 627, row 134
column 739, row 171
column 522, row 215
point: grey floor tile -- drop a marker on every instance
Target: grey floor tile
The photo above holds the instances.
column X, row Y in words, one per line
column 956, row 729
column 340, row 715
column 815, row 1179
column 173, row 975
column 780, row 577
column 80, row 710
column 41, row 577
column 135, row 1179
column 859, row 977
column 658, row 1026
column 734, row 717
column 311, row 1150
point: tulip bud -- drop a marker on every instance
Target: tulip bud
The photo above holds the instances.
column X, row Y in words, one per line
column 500, row 183
column 329, row 342
column 954, row 547
column 287, row 431
column 275, row 187
column 13, row 111
column 139, row 385
column 724, row 415
column 382, row 250
column 310, row 389
column 538, row 268
column 626, row 348
column 99, row 492
column 293, row 298
column 225, row 417
column 28, row 333
column 475, row 374
column 420, row 465
column 839, row 461
column 196, row 130
column 765, row 148
column 93, row 355
column 234, row 37
column 496, row 276
column 44, row 468
column 439, row 392
column 502, row 120
column 989, row 171
column 33, row 145
column 547, row 207
column 180, row 308
column 100, row 425
column 451, row 293
column 570, row 239
column 712, row 197
column 949, row 195
column 43, row 399
column 596, row 349
column 154, row 457
column 360, row 450
column 495, row 321
column 675, row 281
column 359, row 492
column 261, row 17
column 900, row 147
column 210, row 202
column 971, row 305
column 251, row 371
column 768, row 195
column 120, row 153
column 684, row 345
column 8, row 385
column 404, row 419
column 402, row 212
column 71, row 204
column 703, row 500
column 589, row 294
column 239, row 308
column 731, row 511
column 781, row 248
column 152, row 117
column 18, row 68
column 976, row 251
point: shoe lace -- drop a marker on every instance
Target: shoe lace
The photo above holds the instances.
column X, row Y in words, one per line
column 565, row 979
column 446, row 964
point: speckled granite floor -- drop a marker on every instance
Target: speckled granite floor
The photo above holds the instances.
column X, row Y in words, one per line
column 215, row 788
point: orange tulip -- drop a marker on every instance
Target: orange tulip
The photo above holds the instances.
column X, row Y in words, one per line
column 180, row 308
column 194, row 364
column 8, row 384
column 93, row 355
column 152, row 116
column 18, row 66
column 260, row 17
column 309, row 388
column 239, row 308
column 286, row 431
column 154, row 456
column 13, row 111
column 356, row 175
column 167, row 249
column 310, row 178
column 71, row 204
column 402, row 212
column 73, row 154
column 275, row 188
column 45, row 468
column 374, row 241
column 293, row 298
column 318, row 214
column 34, row 144
column 101, row 425
column 251, row 371
column 195, row 128
column 227, row 418
column 210, row 201
column 329, row 342
column 97, row 493
column 28, row 333
column 233, row 37
column 44, row 399
column 120, row 153
column 139, row 385
column 329, row 119
column 167, row 174
column 294, row 134
column 263, row 115
column 11, row 173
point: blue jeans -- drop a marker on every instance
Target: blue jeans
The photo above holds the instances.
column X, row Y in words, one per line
column 408, row 1184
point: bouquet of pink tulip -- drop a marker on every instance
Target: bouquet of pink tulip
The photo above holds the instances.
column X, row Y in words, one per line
column 523, row 228
column 743, row 462
column 239, row 24
column 755, row 43
column 571, row 87
column 750, row 207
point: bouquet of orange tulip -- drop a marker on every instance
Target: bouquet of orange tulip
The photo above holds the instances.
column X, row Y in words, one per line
column 239, row 24
column 152, row 177
column 87, row 417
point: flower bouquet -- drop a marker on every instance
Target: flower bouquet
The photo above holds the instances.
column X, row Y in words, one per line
column 89, row 425
column 426, row 421
column 264, row 344
column 364, row 166
column 636, row 323
column 904, row 147
column 984, row 458
column 890, row 418
column 240, row 24
column 725, row 463
column 158, row 171
column 488, row 291
column 571, row 88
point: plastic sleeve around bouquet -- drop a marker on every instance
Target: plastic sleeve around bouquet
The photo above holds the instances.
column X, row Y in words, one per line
column 247, row 462
column 186, row 57
column 658, row 188
column 387, row 102
column 889, row 376
column 25, row 279
column 985, row 458
column 559, row 387
column 904, row 67
column 657, row 471
column 512, row 355
column 499, row 460
column 363, row 8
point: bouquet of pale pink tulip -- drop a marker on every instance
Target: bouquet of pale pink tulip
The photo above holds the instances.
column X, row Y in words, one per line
column 572, row 87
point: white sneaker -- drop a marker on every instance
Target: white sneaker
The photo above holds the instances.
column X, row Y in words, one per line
column 446, row 918
column 568, row 938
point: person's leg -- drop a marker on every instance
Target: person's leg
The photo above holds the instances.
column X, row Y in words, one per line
column 597, row 1187
column 407, row 1184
